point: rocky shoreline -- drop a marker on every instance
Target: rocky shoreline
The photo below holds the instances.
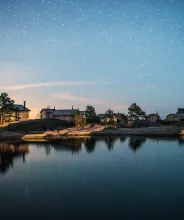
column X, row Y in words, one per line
column 162, row 131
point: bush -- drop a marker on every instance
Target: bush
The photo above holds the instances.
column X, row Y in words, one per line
column 138, row 123
column 40, row 124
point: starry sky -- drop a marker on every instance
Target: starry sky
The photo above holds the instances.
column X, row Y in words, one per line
column 108, row 53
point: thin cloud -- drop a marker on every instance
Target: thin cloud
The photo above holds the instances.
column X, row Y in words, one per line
column 69, row 97
column 53, row 84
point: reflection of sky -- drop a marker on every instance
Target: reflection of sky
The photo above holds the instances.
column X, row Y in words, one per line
column 107, row 53
column 104, row 180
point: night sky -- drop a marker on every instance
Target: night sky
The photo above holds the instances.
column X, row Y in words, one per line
column 101, row 52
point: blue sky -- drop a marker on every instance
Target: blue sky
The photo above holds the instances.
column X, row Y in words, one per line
column 101, row 52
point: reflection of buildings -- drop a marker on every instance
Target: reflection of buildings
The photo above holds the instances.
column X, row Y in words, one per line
column 73, row 145
column 9, row 152
column 76, row 145
column 135, row 143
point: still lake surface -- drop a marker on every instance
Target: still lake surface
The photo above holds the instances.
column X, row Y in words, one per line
column 103, row 178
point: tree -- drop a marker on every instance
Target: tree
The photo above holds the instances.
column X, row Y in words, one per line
column 122, row 118
column 90, row 114
column 135, row 112
column 78, row 119
column 180, row 110
column 159, row 118
column 6, row 105
column 109, row 113
column 110, row 119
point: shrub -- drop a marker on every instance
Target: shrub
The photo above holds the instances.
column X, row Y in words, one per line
column 36, row 125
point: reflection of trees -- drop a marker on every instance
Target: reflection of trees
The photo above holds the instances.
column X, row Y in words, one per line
column 135, row 143
column 110, row 141
column 47, row 148
column 9, row 152
column 122, row 139
column 45, row 145
column 73, row 145
column 90, row 144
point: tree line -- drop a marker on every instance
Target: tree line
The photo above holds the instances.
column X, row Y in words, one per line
column 134, row 112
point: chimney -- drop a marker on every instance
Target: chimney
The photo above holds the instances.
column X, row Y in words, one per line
column 72, row 107
column 24, row 104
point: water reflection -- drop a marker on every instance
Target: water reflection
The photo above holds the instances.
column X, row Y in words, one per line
column 72, row 145
column 55, row 182
column 75, row 145
column 110, row 141
column 122, row 139
column 9, row 152
column 181, row 141
column 90, row 144
column 135, row 143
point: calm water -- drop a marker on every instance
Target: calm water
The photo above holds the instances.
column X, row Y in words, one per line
column 107, row 178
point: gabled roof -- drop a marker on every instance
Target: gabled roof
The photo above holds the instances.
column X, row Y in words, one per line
column 101, row 115
column 63, row 112
column 21, row 108
column 153, row 114
column 47, row 110
column 177, row 115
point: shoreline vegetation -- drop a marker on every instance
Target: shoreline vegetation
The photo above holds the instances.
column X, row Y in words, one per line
column 75, row 123
column 96, row 130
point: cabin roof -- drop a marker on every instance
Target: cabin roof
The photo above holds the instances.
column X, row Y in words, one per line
column 63, row 112
column 152, row 114
column 177, row 115
column 101, row 115
column 21, row 107
column 47, row 110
